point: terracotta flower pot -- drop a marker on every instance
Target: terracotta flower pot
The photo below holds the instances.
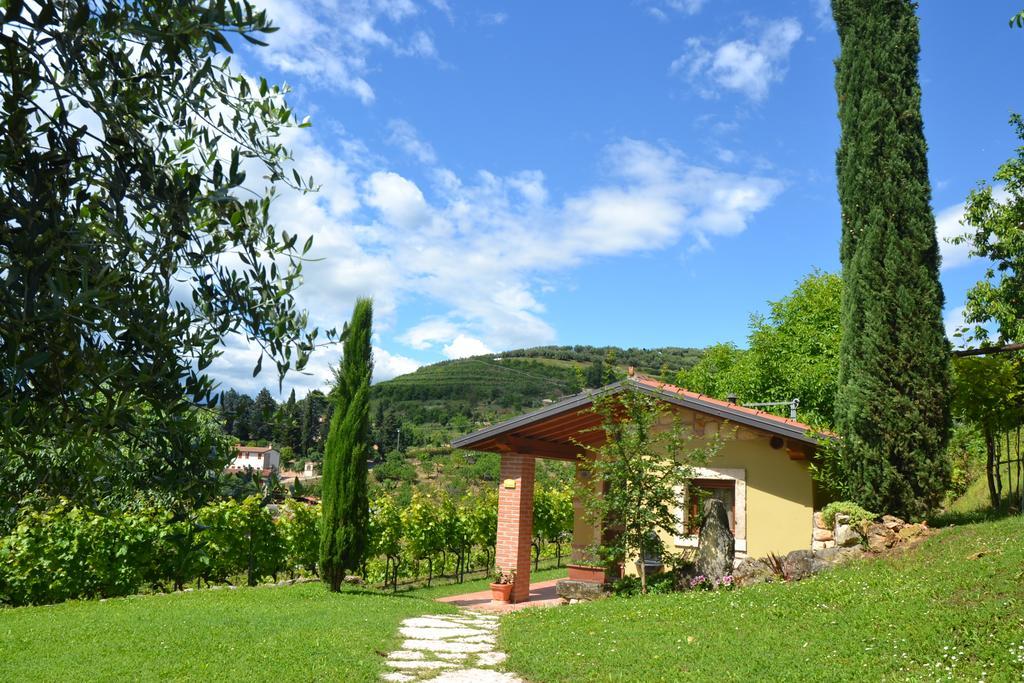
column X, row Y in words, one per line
column 501, row 592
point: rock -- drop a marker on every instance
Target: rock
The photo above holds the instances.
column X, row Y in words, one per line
column 823, row 535
column 354, row 580
column 819, row 521
column 580, row 591
column 879, row 537
column 893, row 523
column 911, row 531
column 798, row 564
column 751, row 572
column 716, row 549
column 831, row 557
column 842, row 518
column 838, row 555
column 846, row 536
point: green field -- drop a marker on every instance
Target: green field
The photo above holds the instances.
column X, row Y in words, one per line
column 295, row 633
column 951, row 609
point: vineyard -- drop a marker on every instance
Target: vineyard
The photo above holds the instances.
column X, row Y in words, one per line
column 66, row 552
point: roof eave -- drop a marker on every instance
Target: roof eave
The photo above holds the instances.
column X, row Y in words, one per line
column 583, row 398
column 566, row 404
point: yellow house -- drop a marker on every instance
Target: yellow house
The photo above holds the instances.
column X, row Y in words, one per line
column 761, row 473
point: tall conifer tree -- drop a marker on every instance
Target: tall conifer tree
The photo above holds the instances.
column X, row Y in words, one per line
column 892, row 407
column 346, row 512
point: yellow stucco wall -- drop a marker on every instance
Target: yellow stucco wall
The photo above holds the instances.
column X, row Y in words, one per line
column 779, row 489
column 583, row 533
column 780, row 501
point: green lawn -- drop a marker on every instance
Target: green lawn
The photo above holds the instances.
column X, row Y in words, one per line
column 951, row 609
column 295, row 633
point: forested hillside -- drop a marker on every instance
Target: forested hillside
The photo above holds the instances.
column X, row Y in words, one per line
column 445, row 399
column 437, row 402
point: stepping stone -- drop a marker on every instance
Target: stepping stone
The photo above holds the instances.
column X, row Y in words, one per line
column 444, row 646
column 476, row 619
column 437, row 646
column 490, row 658
column 406, row 654
column 476, row 676
column 418, row 664
column 439, row 633
column 433, row 622
column 451, row 656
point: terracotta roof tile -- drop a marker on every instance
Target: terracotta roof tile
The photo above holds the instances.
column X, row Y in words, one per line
column 252, row 449
column 725, row 405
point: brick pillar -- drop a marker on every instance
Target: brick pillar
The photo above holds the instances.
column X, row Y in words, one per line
column 515, row 520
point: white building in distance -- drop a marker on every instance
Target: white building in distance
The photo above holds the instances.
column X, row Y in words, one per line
column 265, row 459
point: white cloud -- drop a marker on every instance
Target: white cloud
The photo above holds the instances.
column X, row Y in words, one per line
column 429, row 332
column 481, row 246
column 464, row 347
column 234, row 369
column 953, row 321
column 332, row 41
column 493, row 18
column 823, row 13
column 685, row 6
column 389, row 365
column 948, row 226
column 726, row 156
column 659, row 10
column 476, row 254
column 740, row 65
column 399, row 200
column 403, row 135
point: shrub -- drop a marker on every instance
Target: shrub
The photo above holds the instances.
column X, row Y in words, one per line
column 239, row 537
column 299, row 528
column 657, row 584
column 856, row 513
column 66, row 552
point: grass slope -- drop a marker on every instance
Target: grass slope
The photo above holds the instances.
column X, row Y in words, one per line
column 951, row 609
column 975, row 498
column 295, row 633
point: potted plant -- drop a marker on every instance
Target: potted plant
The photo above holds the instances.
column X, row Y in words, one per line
column 501, row 588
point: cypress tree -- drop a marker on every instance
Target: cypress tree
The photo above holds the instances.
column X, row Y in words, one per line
column 892, row 406
column 346, row 512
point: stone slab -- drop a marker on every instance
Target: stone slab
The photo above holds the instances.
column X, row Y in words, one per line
column 444, row 646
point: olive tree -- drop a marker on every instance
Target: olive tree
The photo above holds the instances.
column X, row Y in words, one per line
column 135, row 231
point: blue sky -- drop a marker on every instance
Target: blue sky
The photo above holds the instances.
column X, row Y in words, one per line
column 646, row 173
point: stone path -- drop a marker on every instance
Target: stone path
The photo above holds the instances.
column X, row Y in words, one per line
column 449, row 648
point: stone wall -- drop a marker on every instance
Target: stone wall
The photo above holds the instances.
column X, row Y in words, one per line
column 876, row 536
column 843, row 542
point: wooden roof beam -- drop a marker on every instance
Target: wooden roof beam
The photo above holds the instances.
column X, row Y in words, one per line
column 539, row 448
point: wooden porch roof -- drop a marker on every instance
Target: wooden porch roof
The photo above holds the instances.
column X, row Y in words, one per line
column 555, row 431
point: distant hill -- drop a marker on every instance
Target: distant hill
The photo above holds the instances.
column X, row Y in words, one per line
column 448, row 398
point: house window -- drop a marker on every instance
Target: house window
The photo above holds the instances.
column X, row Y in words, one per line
column 700, row 491
column 725, row 483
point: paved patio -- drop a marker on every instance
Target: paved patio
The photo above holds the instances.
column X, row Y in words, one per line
column 542, row 594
